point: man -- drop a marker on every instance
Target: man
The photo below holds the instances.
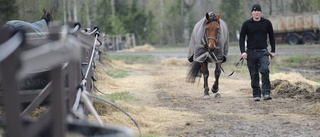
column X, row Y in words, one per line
column 257, row 29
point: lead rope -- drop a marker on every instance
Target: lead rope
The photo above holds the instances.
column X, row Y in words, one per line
column 238, row 64
column 210, row 53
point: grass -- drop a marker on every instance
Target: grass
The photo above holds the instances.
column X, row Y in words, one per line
column 294, row 60
column 118, row 73
column 125, row 96
column 134, row 58
column 103, row 108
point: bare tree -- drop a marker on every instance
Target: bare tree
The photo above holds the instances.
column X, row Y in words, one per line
column 88, row 13
column 75, row 15
column 187, row 5
column 161, row 21
column 64, row 11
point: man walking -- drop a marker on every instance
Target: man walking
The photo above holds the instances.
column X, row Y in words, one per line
column 257, row 29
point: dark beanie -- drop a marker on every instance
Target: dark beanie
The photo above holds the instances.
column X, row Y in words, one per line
column 256, row 7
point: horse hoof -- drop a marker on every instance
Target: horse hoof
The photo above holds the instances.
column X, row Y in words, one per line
column 215, row 90
column 206, row 96
column 217, row 95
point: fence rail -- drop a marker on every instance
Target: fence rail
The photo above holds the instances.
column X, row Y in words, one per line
column 65, row 56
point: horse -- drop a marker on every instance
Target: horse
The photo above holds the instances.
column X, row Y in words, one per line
column 38, row 27
column 209, row 43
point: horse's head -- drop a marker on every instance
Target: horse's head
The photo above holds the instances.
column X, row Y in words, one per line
column 212, row 29
column 47, row 15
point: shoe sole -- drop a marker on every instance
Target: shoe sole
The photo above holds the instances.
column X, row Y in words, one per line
column 256, row 100
column 267, row 99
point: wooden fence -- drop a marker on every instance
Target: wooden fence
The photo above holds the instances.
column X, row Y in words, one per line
column 65, row 56
column 118, row 42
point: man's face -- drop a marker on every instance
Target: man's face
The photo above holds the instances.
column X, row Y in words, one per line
column 256, row 14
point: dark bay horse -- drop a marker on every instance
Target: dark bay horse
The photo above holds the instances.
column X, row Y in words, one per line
column 38, row 27
column 209, row 43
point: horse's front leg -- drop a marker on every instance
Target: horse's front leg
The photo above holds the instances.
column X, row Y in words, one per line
column 204, row 69
column 217, row 73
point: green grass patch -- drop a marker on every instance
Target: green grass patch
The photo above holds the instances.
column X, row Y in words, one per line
column 134, row 58
column 124, row 96
column 118, row 73
column 297, row 60
column 103, row 108
column 294, row 60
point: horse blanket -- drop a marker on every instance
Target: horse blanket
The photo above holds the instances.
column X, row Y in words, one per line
column 37, row 27
column 199, row 52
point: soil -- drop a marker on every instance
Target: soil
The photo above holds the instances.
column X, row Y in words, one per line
column 166, row 105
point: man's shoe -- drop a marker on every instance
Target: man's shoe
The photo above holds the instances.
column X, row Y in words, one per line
column 256, row 99
column 267, row 97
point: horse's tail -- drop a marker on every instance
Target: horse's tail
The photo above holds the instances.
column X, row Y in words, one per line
column 193, row 72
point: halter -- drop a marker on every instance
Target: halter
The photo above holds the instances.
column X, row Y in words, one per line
column 211, row 17
column 216, row 39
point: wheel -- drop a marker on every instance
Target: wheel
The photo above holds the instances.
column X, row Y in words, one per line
column 293, row 40
column 308, row 39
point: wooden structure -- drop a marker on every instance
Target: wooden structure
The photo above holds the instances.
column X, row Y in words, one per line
column 66, row 54
column 118, row 42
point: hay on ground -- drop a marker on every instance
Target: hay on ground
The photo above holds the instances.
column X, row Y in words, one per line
column 293, row 85
column 145, row 47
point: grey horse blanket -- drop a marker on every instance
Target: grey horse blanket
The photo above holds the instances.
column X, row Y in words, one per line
column 37, row 27
column 197, row 50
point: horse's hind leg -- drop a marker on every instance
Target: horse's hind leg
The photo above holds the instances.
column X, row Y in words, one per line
column 204, row 68
column 217, row 73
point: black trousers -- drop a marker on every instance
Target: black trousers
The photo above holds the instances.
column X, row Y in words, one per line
column 258, row 61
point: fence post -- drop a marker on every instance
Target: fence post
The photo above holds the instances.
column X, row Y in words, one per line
column 133, row 40
column 8, row 69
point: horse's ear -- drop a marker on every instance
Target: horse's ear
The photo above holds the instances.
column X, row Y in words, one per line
column 218, row 15
column 207, row 16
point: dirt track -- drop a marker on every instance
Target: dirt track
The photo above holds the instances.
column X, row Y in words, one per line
column 168, row 106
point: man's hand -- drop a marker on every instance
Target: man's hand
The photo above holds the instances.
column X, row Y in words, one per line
column 272, row 55
column 244, row 55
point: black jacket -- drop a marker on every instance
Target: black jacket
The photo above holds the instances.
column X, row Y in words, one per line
column 257, row 33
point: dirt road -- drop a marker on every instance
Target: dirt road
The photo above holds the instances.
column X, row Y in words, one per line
column 166, row 105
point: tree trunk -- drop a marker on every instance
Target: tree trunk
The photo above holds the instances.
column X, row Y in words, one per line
column 161, row 21
column 75, row 15
column 88, row 13
column 64, row 11
column 186, row 8
column 68, row 10
column 113, row 9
